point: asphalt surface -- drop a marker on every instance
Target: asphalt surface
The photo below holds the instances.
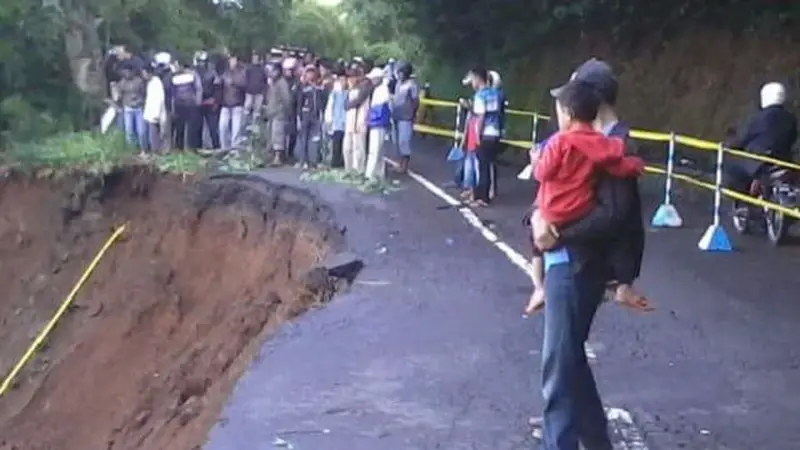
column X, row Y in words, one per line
column 429, row 350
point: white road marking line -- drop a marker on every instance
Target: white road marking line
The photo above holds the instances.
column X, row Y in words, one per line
column 620, row 420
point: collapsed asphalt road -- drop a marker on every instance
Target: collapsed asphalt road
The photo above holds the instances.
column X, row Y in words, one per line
column 429, row 349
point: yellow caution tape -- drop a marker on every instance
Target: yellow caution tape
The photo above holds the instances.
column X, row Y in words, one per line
column 761, row 158
column 699, row 144
column 689, row 141
column 521, row 144
column 728, row 193
column 651, row 169
column 427, row 129
column 60, row 312
column 649, row 136
column 520, row 112
column 435, row 102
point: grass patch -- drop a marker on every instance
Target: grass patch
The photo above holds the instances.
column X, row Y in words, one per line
column 354, row 179
column 180, row 163
column 88, row 152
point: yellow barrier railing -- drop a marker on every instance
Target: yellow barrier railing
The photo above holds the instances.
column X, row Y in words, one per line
column 655, row 136
column 670, row 138
column 9, row 379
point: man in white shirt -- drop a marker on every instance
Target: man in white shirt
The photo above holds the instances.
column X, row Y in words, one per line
column 155, row 108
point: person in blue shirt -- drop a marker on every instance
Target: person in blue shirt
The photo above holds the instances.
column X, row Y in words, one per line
column 487, row 109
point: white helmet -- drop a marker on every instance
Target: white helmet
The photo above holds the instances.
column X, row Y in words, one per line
column 773, row 94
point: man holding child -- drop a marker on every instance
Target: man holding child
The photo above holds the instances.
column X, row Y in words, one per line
column 588, row 227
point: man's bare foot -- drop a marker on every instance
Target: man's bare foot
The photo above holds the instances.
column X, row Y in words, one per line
column 466, row 195
column 536, row 302
column 627, row 296
column 478, row 204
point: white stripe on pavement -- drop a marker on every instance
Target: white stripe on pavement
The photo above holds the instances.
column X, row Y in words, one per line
column 620, row 420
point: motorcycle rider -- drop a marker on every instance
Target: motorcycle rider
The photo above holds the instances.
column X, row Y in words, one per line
column 209, row 107
column 770, row 132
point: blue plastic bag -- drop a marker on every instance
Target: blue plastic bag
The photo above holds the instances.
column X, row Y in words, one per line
column 456, row 154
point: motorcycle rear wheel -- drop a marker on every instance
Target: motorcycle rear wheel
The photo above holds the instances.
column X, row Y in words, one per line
column 741, row 222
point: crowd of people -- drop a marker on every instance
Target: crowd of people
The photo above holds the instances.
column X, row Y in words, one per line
column 310, row 110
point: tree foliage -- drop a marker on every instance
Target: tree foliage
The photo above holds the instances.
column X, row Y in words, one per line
column 482, row 31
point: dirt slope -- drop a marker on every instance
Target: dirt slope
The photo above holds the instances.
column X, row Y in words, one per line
column 169, row 320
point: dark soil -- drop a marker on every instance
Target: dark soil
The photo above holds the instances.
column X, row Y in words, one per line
column 149, row 352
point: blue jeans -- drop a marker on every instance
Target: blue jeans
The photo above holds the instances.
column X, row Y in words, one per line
column 135, row 127
column 573, row 411
column 469, row 171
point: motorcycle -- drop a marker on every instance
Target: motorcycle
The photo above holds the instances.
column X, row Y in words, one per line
column 780, row 186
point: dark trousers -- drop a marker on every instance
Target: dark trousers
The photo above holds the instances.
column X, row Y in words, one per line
column 487, row 170
column 309, row 142
column 291, row 140
column 337, row 157
column 737, row 177
column 209, row 115
column 185, row 125
column 573, row 411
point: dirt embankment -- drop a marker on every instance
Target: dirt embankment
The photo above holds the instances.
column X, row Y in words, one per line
column 698, row 82
column 150, row 350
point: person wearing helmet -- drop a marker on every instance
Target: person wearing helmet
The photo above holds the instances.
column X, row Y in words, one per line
column 770, row 132
column 405, row 105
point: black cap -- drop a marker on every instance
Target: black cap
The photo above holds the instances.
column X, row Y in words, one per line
column 597, row 74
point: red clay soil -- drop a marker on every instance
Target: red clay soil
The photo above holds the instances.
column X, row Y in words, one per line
column 169, row 320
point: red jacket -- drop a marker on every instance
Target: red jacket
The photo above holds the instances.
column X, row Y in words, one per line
column 471, row 139
column 566, row 171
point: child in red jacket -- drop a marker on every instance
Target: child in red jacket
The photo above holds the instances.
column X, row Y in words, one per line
column 566, row 171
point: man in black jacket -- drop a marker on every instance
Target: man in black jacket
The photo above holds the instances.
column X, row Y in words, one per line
column 310, row 107
column 209, row 107
column 770, row 132
column 255, row 87
column 605, row 246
